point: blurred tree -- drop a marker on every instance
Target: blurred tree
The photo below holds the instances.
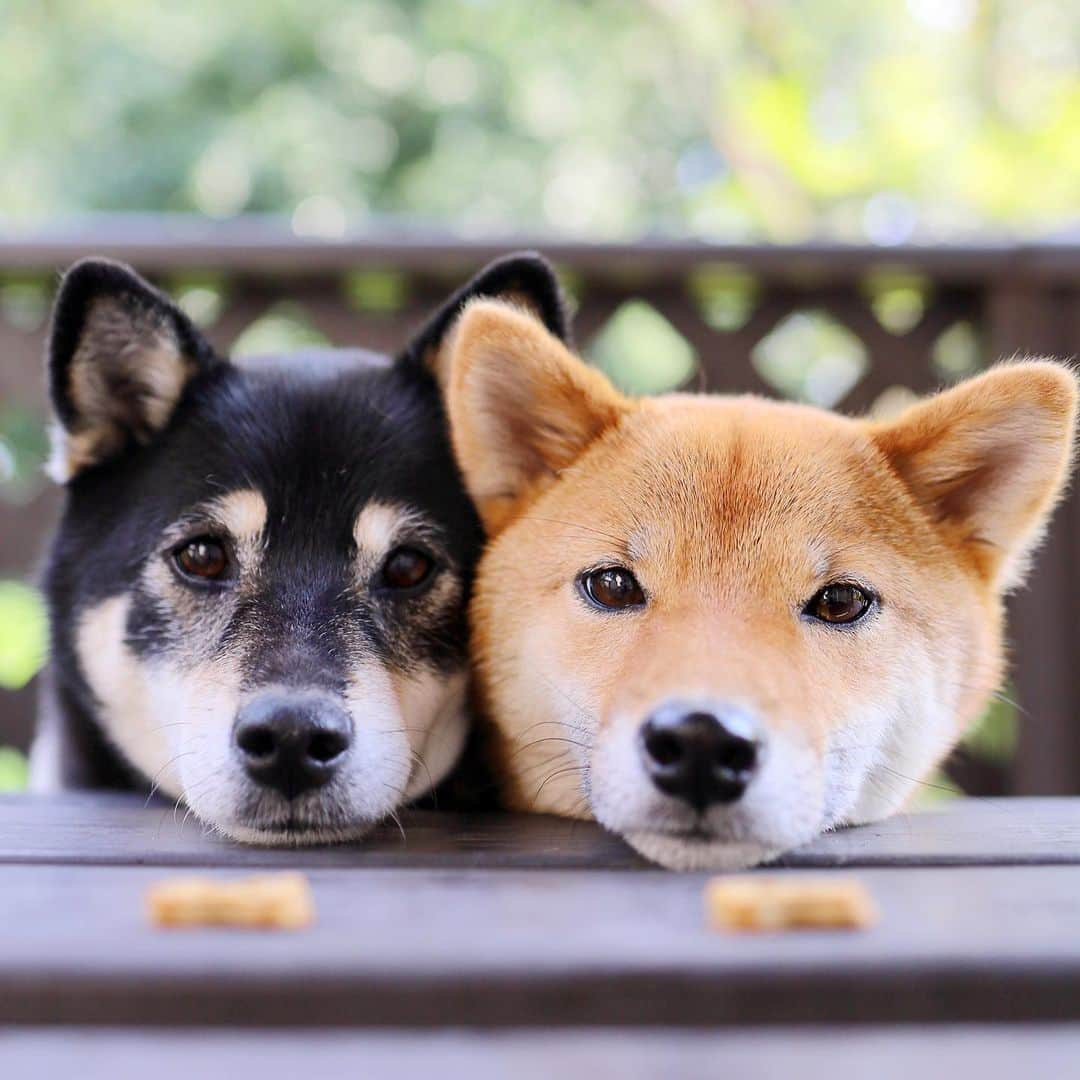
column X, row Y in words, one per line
column 852, row 119
column 14, row 773
column 23, row 634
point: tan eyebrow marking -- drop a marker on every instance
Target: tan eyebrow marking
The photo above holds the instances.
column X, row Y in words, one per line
column 379, row 526
column 242, row 513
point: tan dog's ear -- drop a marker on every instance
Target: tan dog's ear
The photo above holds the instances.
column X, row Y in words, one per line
column 989, row 460
column 521, row 407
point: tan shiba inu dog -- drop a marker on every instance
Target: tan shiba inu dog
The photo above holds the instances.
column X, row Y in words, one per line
column 720, row 625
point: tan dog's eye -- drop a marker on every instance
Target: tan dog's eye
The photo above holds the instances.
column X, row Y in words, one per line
column 406, row 568
column 840, row 604
column 612, row 587
column 203, row 559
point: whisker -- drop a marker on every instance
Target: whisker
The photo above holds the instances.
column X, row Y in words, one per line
column 618, row 541
column 397, row 821
column 558, row 772
column 549, row 738
column 539, row 766
column 921, row 783
column 154, row 780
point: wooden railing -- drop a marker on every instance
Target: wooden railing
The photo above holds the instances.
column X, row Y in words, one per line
column 913, row 317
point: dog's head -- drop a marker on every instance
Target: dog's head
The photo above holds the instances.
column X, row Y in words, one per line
column 721, row 625
column 259, row 586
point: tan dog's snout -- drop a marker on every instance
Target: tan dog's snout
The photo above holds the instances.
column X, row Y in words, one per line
column 704, row 753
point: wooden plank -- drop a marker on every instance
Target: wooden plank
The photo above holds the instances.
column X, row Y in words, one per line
column 166, row 243
column 423, row 948
column 844, row 1053
column 111, row 828
column 966, row 832
column 102, row 828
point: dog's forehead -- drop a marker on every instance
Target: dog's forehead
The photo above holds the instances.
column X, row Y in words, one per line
column 316, row 447
column 742, row 458
column 773, row 487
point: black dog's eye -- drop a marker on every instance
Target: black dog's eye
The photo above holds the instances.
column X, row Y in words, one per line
column 203, row 558
column 406, row 568
column 839, row 604
column 613, row 587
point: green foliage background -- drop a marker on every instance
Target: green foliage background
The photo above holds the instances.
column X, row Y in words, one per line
column 778, row 119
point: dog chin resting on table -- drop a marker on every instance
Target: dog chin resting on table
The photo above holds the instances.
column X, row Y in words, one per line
column 722, row 625
column 258, row 588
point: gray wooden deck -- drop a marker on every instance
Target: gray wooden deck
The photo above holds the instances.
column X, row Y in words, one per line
column 546, row 935
column 826, row 1053
column 102, row 829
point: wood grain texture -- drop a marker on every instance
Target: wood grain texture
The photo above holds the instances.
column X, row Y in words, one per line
column 512, row 948
column 266, row 250
column 991, row 1053
column 112, row 828
column 96, row 828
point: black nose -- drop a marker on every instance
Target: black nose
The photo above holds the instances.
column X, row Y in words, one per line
column 292, row 742
column 700, row 755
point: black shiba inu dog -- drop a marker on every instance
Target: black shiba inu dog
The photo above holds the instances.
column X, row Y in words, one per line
column 258, row 588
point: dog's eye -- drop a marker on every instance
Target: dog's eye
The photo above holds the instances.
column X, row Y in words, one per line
column 613, row 587
column 203, row 558
column 839, row 604
column 406, row 568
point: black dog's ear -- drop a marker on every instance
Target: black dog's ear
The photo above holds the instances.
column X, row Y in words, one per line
column 525, row 279
column 120, row 355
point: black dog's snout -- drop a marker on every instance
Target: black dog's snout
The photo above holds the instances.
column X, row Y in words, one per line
column 292, row 743
column 702, row 755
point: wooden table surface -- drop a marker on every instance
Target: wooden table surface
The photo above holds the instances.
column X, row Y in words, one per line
column 1034, row 1052
column 105, row 829
column 543, row 933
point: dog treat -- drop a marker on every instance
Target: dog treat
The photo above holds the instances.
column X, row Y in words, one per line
column 775, row 903
column 268, row 901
